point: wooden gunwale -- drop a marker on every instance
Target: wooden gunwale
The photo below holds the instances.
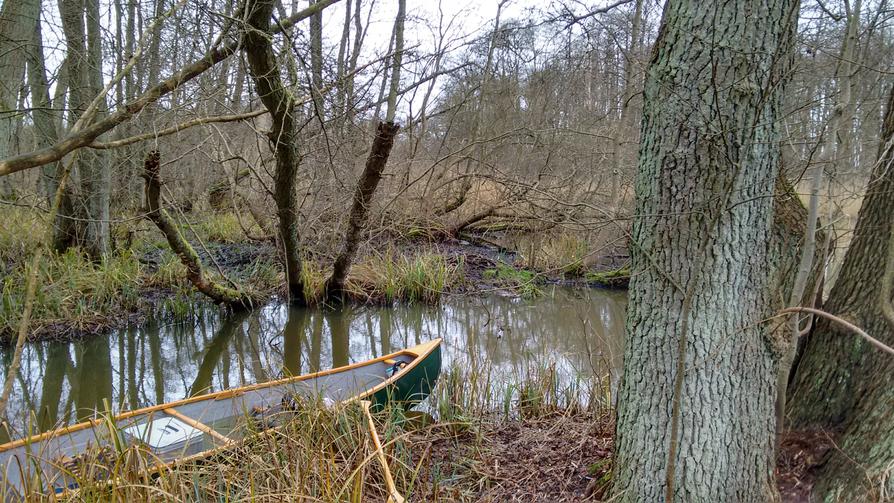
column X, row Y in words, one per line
column 419, row 352
column 199, row 426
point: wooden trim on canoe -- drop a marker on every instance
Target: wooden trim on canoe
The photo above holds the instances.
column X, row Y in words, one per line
column 199, row 426
column 418, row 353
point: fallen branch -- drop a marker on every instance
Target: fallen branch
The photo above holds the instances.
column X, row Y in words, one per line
column 176, row 129
column 841, row 321
column 188, row 256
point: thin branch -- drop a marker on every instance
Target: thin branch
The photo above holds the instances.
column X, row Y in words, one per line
column 602, row 10
column 841, row 321
column 176, row 129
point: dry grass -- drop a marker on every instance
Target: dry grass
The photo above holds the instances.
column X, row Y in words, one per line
column 548, row 452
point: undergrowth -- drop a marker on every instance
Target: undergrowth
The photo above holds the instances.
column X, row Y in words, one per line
column 76, row 294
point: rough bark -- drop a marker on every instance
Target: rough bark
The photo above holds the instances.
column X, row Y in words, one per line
column 283, row 137
column 366, row 188
column 194, row 271
column 95, row 171
column 695, row 420
column 841, row 382
column 84, row 52
column 45, row 118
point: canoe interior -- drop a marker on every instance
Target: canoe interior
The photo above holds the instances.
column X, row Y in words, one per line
column 197, row 427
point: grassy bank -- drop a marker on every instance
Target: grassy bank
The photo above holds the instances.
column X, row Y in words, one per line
column 532, row 440
column 77, row 296
column 535, row 439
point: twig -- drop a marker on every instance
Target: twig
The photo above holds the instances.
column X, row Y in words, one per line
column 23, row 331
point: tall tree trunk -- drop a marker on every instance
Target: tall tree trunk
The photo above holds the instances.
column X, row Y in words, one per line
column 372, row 172
column 15, row 36
column 841, row 382
column 130, row 84
column 397, row 60
column 695, row 419
column 341, row 64
column 348, row 97
column 316, row 60
column 96, row 173
column 45, row 119
column 283, row 138
column 84, row 53
column 366, row 188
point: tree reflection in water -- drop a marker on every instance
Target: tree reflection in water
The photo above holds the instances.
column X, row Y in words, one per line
column 579, row 331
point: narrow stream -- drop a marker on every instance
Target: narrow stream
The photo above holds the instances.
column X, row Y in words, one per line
column 579, row 331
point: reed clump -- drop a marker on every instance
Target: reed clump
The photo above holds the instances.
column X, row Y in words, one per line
column 422, row 277
column 73, row 290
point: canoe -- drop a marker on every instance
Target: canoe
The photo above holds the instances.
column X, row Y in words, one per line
column 200, row 426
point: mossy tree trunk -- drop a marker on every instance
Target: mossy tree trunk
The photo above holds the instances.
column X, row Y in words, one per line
column 842, row 382
column 188, row 256
column 283, row 136
column 695, row 419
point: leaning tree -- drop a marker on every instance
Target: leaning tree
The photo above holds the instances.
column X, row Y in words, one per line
column 843, row 382
column 695, row 418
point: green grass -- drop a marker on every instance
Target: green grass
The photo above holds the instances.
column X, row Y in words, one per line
column 21, row 231
column 221, row 227
column 77, row 294
column 73, row 290
column 617, row 278
column 520, row 280
column 390, row 278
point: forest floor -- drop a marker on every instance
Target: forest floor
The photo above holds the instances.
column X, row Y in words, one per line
column 568, row 457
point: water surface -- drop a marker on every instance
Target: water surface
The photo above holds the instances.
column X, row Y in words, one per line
column 578, row 331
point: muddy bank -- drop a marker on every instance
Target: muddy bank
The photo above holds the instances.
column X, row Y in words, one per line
column 159, row 287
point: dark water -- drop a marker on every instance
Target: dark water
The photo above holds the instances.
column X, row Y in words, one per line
column 578, row 331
